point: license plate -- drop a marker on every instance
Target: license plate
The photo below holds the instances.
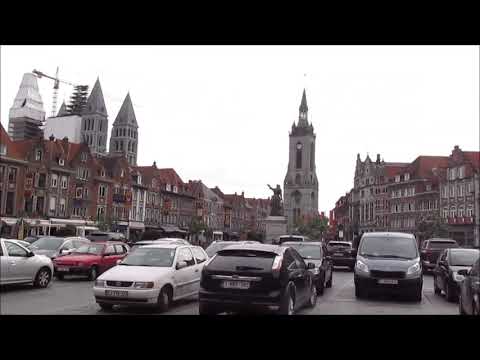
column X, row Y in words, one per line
column 235, row 284
column 388, row 281
column 63, row 268
column 116, row 293
column 337, row 254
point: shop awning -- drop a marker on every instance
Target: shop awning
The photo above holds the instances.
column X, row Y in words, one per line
column 172, row 229
column 75, row 222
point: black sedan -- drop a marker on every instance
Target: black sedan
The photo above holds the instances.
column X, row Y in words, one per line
column 256, row 276
column 469, row 301
column 446, row 275
column 315, row 252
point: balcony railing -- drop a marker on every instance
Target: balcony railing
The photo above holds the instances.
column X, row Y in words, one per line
column 460, row 220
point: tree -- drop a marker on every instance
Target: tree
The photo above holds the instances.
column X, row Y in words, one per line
column 314, row 228
column 433, row 226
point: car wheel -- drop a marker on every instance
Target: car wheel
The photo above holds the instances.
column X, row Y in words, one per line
column 312, row 301
column 436, row 289
column 330, row 281
column 321, row 286
column 207, row 309
column 105, row 307
column 93, row 273
column 43, row 277
column 59, row 276
column 449, row 293
column 287, row 307
column 164, row 299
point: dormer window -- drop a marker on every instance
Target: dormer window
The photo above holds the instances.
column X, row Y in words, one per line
column 38, row 155
column 407, row 176
column 167, row 187
column 61, row 162
column 175, row 190
column 102, row 173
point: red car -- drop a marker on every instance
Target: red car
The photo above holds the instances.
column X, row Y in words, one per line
column 91, row 259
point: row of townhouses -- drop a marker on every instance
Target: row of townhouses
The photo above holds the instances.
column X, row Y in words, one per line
column 400, row 196
column 57, row 171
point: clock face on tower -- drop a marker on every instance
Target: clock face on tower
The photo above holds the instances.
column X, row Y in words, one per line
column 299, row 146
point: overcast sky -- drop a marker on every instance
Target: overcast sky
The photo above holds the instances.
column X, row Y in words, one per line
column 222, row 114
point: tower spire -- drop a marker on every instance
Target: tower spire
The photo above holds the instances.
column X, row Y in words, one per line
column 303, row 111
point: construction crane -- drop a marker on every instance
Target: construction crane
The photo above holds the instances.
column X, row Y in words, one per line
column 56, row 85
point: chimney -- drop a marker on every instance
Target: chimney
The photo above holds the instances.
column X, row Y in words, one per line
column 65, row 139
column 242, row 193
column 154, row 164
column 378, row 159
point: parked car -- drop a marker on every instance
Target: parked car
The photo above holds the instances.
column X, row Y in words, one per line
column 389, row 262
column 102, row 236
column 316, row 253
column 469, row 300
column 216, row 246
column 23, row 243
column 53, row 247
column 90, row 259
column 20, row 265
column 431, row 249
column 153, row 275
column 445, row 275
column 266, row 277
column 292, row 238
column 342, row 253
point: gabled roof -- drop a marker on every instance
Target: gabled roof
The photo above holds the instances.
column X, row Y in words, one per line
column 126, row 115
column 63, row 110
column 170, row 176
column 96, row 102
column 392, row 169
column 422, row 166
column 474, row 158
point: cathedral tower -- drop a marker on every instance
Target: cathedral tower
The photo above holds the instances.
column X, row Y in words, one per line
column 301, row 183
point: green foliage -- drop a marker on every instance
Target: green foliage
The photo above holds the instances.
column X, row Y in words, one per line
column 197, row 226
column 314, row 228
column 432, row 227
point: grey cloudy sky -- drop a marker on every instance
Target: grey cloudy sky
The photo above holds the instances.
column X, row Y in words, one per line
column 222, row 114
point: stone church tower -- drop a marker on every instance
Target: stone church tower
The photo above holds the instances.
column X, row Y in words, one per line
column 124, row 137
column 95, row 121
column 301, row 183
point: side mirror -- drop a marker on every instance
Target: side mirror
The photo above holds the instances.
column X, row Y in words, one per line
column 463, row 272
column 119, row 261
column 181, row 265
column 30, row 254
column 64, row 251
column 310, row 265
column 328, row 258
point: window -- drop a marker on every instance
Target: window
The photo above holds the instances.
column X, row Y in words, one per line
column 460, row 211
column 407, row 176
column 15, row 250
column 38, row 155
column 312, row 156
column 12, row 175
column 429, row 187
column 299, row 156
column 175, row 189
column 453, row 211
column 452, row 191
column 397, row 178
column 185, row 255
column 167, row 187
column 470, row 187
column 102, row 191
column 85, row 193
column 445, row 191
column 122, row 173
column 54, row 180
column 461, row 172
column 53, row 203
column 10, row 203
column 78, row 192
column 42, row 179
column 62, row 205
column 83, row 156
column 3, row 149
column 470, row 211
column 445, row 212
column 199, row 255
column 109, row 250
column 64, row 182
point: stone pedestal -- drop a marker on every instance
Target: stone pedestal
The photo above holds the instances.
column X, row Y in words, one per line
column 275, row 226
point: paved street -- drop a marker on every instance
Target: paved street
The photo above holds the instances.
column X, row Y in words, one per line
column 74, row 297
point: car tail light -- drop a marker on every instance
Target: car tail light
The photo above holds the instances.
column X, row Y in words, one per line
column 277, row 265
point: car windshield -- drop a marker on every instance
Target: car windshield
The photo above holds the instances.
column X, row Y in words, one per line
column 307, row 251
column 290, row 238
column 336, row 243
column 216, row 247
column 47, row 243
column 94, row 249
column 391, row 247
column 145, row 256
column 466, row 257
column 442, row 244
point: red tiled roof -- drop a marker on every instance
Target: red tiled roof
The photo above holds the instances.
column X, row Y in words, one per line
column 392, row 169
column 473, row 157
column 422, row 166
column 170, row 176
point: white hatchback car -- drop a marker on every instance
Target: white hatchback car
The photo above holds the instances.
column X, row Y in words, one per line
column 152, row 275
column 21, row 265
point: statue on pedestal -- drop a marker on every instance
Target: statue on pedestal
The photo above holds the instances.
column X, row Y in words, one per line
column 277, row 209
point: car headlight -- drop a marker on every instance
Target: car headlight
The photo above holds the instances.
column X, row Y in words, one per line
column 457, row 277
column 143, row 285
column 361, row 267
column 316, row 271
column 415, row 268
column 100, row 283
